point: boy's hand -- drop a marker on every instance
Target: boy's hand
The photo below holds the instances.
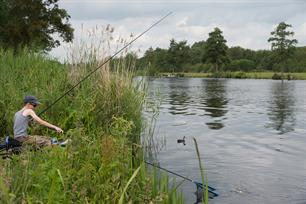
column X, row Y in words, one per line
column 59, row 130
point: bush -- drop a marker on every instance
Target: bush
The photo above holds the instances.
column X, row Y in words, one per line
column 276, row 76
column 240, row 75
column 200, row 68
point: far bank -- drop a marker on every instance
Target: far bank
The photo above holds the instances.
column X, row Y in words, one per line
column 239, row 75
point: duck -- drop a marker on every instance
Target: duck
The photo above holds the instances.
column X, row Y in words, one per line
column 182, row 140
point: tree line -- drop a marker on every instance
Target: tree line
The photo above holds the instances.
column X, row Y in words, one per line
column 34, row 25
column 213, row 55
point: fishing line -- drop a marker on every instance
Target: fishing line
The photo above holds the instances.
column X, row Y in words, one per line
column 199, row 185
column 93, row 71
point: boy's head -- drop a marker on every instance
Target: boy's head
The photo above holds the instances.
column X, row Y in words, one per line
column 31, row 100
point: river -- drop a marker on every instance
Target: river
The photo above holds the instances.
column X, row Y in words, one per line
column 251, row 136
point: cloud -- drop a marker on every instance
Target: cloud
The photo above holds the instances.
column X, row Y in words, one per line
column 245, row 23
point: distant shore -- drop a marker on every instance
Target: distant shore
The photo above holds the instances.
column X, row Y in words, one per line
column 240, row 75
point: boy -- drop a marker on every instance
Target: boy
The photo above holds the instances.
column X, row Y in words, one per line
column 21, row 123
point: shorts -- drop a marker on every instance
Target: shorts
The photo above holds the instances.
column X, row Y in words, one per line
column 36, row 140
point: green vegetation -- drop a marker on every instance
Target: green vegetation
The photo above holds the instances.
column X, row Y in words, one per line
column 282, row 45
column 27, row 23
column 103, row 119
column 212, row 55
column 216, row 49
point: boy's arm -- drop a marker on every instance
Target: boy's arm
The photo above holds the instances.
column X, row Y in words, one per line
column 43, row 122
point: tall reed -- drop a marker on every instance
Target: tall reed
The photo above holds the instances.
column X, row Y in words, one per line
column 203, row 175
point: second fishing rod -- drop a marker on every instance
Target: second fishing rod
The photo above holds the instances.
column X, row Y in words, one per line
column 198, row 184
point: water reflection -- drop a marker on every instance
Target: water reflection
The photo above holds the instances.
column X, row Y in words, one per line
column 214, row 101
column 178, row 96
column 228, row 151
column 281, row 109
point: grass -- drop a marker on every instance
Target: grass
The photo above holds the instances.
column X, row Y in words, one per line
column 102, row 117
column 127, row 185
column 249, row 75
column 203, row 176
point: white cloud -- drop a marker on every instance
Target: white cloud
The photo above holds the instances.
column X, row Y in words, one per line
column 244, row 23
column 300, row 33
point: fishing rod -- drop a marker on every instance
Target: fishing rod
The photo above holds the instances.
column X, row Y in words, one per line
column 93, row 71
column 199, row 185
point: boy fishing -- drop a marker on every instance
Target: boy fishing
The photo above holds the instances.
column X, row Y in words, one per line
column 21, row 123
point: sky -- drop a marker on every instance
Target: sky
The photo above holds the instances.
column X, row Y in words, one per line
column 245, row 23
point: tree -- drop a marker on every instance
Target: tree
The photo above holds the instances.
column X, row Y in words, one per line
column 241, row 65
column 197, row 52
column 3, row 11
column 281, row 44
column 178, row 54
column 237, row 52
column 154, row 60
column 161, row 60
column 216, row 49
column 263, row 60
column 149, row 55
column 31, row 23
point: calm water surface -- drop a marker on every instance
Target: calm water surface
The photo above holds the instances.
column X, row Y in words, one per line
column 251, row 136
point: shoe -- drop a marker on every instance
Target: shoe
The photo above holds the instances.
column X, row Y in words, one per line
column 54, row 141
column 65, row 142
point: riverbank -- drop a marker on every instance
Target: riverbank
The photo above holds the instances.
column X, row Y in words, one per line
column 239, row 75
column 103, row 117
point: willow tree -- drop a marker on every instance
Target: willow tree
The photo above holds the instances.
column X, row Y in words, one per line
column 282, row 43
column 216, row 49
column 33, row 24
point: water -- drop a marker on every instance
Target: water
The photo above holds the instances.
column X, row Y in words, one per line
column 251, row 136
